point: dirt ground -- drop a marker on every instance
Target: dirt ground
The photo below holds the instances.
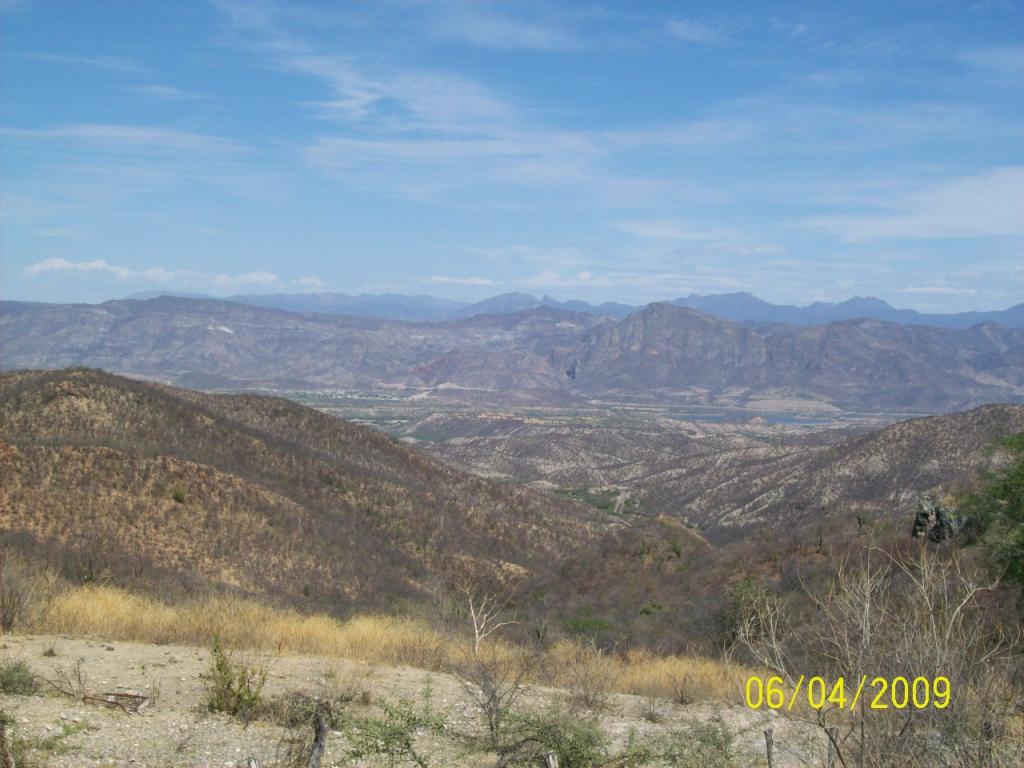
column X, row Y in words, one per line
column 177, row 731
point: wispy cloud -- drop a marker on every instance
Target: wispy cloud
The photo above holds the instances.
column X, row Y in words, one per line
column 126, row 137
column 385, row 97
column 690, row 31
column 150, row 275
column 482, row 26
column 988, row 204
column 1001, row 60
column 160, row 92
column 424, row 133
column 556, row 256
column 112, row 63
column 448, row 280
column 436, row 165
column 938, row 290
column 669, row 230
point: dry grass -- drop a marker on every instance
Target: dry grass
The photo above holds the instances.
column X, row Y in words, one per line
column 683, row 679
column 119, row 615
column 389, row 641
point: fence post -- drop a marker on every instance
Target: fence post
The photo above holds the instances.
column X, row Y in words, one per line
column 769, row 743
column 833, row 747
column 319, row 738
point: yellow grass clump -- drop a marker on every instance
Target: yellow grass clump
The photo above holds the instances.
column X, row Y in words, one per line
column 116, row 614
column 119, row 615
column 639, row 672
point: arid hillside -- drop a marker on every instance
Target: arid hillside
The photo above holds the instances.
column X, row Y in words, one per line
column 725, row 479
column 181, row 490
column 254, row 493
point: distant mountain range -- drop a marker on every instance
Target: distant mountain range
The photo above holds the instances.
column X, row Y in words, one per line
column 747, row 308
column 738, row 307
column 663, row 352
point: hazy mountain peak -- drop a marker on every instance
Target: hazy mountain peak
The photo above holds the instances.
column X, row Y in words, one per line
column 865, row 302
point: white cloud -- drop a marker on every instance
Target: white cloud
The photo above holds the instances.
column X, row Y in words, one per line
column 446, row 280
column 308, row 281
column 552, row 279
column 988, row 204
column 162, row 275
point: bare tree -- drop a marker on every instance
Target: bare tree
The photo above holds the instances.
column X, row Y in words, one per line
column 486, row 610
column 493, row 673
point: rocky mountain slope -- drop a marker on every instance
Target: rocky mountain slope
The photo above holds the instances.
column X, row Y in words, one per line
column 855, row 364
column 252, row 493
column 663, row 353
column 206, row 343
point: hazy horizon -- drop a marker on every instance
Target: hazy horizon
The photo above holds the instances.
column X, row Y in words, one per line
column 470, row 300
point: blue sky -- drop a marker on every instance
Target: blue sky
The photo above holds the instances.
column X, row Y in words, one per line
column 623, row 151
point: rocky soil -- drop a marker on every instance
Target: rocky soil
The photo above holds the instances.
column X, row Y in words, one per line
column 176, row 730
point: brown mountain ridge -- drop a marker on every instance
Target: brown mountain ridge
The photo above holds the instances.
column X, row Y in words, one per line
column 254, row 493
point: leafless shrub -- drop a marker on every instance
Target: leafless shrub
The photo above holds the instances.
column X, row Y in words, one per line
column 682, row 689
column 886, row 616
column 590, row 673
column 70, row 682
column 348, row 687
column 653, row 711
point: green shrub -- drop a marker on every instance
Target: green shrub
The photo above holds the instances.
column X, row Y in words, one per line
column 17, row 678
column 586, row 624
column 178, row 494
column 393, row 734
column 697, row 745
column 18, row 746
column 233, row 687
column 296, row 709
column 579, row 743
column 651, row 608
column 996, row 512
